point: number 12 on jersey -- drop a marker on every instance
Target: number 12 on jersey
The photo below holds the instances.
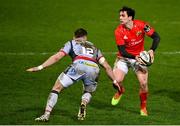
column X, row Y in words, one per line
column 87, row 51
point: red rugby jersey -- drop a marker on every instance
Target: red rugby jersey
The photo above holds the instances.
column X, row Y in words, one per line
column 133, row 39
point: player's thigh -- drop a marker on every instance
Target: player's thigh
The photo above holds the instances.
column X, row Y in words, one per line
column 120, row 70
column 57, row 86
column 91, row 75
column 142, row 77
column 89, row 88
column 119, row 74
column 90, row 81
column 64, row 80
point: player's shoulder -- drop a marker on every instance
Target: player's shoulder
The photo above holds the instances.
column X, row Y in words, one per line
column 139, row 22
column 90, row 43
column 69, row 41
column 119, row 28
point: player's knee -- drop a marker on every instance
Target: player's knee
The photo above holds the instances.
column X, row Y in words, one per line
column 144, row 86
column 58, row 86
column 86, row 97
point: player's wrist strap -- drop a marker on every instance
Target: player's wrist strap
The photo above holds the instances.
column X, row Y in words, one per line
column 114, row 81
column 40, row 67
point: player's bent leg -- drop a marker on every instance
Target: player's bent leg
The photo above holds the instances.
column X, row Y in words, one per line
column 143, row 77
column 143, row 102
column 43, row 118
column 143, row 112
column 119, row 75
column 52, row 100
column 86, row 97
column 117, row 96
column 82, row 112
column 58, row 86
column 62, row 81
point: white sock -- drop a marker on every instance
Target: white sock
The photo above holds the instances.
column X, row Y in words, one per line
column 86, row 97
column 52, row 100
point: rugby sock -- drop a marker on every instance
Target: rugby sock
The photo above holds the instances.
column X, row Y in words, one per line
column 143, row 98
column 86, row 97
column 52, row 100
column 122, row 90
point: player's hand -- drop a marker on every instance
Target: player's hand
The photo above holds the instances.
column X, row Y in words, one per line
column 139, row 60
column 116, row 85
column 34, row 69
column 151, row 53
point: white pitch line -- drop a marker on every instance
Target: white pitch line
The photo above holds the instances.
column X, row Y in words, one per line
column 25, row 53
column 171, row 53
column 51, row 53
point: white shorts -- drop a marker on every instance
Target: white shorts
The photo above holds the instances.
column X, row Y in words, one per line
column 125, row 63
column 66, row 81
column 86, row 71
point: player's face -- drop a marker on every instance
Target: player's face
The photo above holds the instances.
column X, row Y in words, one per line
column 123, row 17
column 83, row 38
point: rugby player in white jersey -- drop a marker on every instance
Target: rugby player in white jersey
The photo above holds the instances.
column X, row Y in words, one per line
column 85, row 57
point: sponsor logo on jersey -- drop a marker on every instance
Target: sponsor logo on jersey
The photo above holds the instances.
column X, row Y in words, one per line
column 132, row 43
column 138, row 33
column 125, row 37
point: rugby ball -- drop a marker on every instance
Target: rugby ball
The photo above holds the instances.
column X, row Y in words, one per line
column 145, row 58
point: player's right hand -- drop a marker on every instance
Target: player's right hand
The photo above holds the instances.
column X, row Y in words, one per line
column 116, row 85
column 34, row 69
column 151, row 53
column 138, row 59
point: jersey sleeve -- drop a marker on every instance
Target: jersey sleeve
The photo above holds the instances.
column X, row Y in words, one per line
column 148, row 29
column 66, row 49
column 119, row 37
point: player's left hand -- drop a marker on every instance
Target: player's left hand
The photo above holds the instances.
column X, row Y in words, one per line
column 151, row 53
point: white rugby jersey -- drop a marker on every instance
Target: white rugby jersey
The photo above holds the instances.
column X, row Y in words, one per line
column 82, row 50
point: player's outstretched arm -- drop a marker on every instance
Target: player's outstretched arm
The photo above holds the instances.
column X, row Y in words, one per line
column 109, row 71
column 51, row 60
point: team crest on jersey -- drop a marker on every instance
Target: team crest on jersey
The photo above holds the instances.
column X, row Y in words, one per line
column 147, row 28
column 138, row 33
column 125, row 37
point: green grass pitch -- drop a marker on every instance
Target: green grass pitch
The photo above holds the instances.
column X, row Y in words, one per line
column 32, row 30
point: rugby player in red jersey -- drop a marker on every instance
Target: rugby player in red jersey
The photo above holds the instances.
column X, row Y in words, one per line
column 129, row 36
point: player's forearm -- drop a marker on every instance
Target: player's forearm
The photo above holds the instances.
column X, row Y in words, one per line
column 53, row 59
column 110, row 72
column 124, row 53
column 156, row 39
column 49, row 62
column 108, row 68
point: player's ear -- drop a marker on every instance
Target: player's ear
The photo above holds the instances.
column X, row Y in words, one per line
column 85, row 37
column 130, row 18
